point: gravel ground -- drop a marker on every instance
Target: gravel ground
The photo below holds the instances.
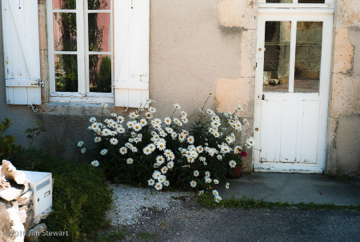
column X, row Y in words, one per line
column 130, row 202
column 158, row 217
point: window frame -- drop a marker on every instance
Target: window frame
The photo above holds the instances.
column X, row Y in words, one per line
column 83, row 94
column 295, row 4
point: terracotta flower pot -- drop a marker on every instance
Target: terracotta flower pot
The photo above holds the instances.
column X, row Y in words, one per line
column 236, row 172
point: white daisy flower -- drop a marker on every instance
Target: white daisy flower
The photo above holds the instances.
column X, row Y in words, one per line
column 170, row 164
column 143, row 122
column 219, row 157
column 227, row 185
column 152, row 147
column 240, row 108
column 190, row 139
column 95, row 163
column 97, row 139
column 164, row 170
column 201, row 192
column 137, row 127
column 207, row 180
column 207, row 173
column 104, row 105
column 120, row 130
column 232, row 164
column 184, row 119
column 137, row 140
column 130, row 124
column 123, row 150
column 103, row 151
column 106, row 132
column 133, row 115
column 173, row 135
column 113, row 115
column 148, row 115
column 176, row 106
column 151, row 182
column 216, row 181
column 128, row 145
column 169, row 130
column 245, row 121
column 80, row 143
column 120, row 119
column 166, row 183
column 83, row 150
column 205, row 163
column 178, row 122
column 114, row 141
column 162, row 178
column 147, row 150
column 129, row 161
column 161, row 146
column 200, row 149
column 158, row 186
column 183, row 113
column 193, row 184
column 92, row 119
column 202, row 158
column 152, row 109
column 250, row 141
column 210, row 112
column 134, row 149
column 156, row 174
column 131, row 140
column 190, row 159
column 217, row 199
column 238, row 149
column 196, row 173
column 215, row 192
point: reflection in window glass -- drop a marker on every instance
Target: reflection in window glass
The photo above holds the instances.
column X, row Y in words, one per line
column 99, row 32
column 66, row 78
column 64, row 4
column 279, row 1
column 65, row 32
column 277, row 56
column 100, row 73
column 308, row 56
column 98, row 4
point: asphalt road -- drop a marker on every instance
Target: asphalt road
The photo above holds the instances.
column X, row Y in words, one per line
column 189, row 222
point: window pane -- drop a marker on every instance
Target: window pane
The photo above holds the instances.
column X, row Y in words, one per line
column 99, row 32
column 277, row 56
column 64, row 4
column 308, row 56
column 279, row 1
column 65, row 32
column 98, row 4
column 311, row 1
column 66, row 73
column 100, row 73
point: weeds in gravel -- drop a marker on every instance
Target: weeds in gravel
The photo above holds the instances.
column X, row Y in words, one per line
column 206, row 201
column 113, row 236
column 146, row 236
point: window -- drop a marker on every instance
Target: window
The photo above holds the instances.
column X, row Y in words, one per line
column 80, row 48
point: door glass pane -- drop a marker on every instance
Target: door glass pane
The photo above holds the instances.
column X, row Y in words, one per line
column 100, row 73
column 279, row 1
column 65, row 32
column 99, row 32
column 98, row 4
column 308, row 56
column 277, row 56
column 66, row 73
column 64, row 4
column 311, row 1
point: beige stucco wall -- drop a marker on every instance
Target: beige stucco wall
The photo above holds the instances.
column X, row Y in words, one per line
column 343, row 146
column 198, row 47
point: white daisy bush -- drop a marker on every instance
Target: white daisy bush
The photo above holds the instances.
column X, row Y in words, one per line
column 142, row 149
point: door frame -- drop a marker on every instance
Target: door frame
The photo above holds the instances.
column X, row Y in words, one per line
column 284, row 14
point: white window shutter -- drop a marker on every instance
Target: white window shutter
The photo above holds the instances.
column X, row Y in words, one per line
column 21, row 51
column 131, row 84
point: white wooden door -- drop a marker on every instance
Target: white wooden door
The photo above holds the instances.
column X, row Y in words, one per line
column 292, row 86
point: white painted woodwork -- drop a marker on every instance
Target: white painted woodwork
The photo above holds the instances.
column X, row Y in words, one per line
column 292, row 126
column 21, row 51
column 131, row 37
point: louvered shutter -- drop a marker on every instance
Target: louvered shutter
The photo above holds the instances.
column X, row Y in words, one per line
column 21, row 51
column 131, row 27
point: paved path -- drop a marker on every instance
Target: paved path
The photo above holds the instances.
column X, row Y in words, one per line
column 294, row 188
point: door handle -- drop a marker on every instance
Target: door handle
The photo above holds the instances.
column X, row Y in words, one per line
column 263, row 97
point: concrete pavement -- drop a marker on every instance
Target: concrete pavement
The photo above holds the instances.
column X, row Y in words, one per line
column 293, row 188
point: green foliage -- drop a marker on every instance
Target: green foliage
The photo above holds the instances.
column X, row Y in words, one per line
column 146, row 236
column 33, row 133
column 81, row 195
column 7, row 142
column 207, row 201
column 111, row 237
column 193, row 156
